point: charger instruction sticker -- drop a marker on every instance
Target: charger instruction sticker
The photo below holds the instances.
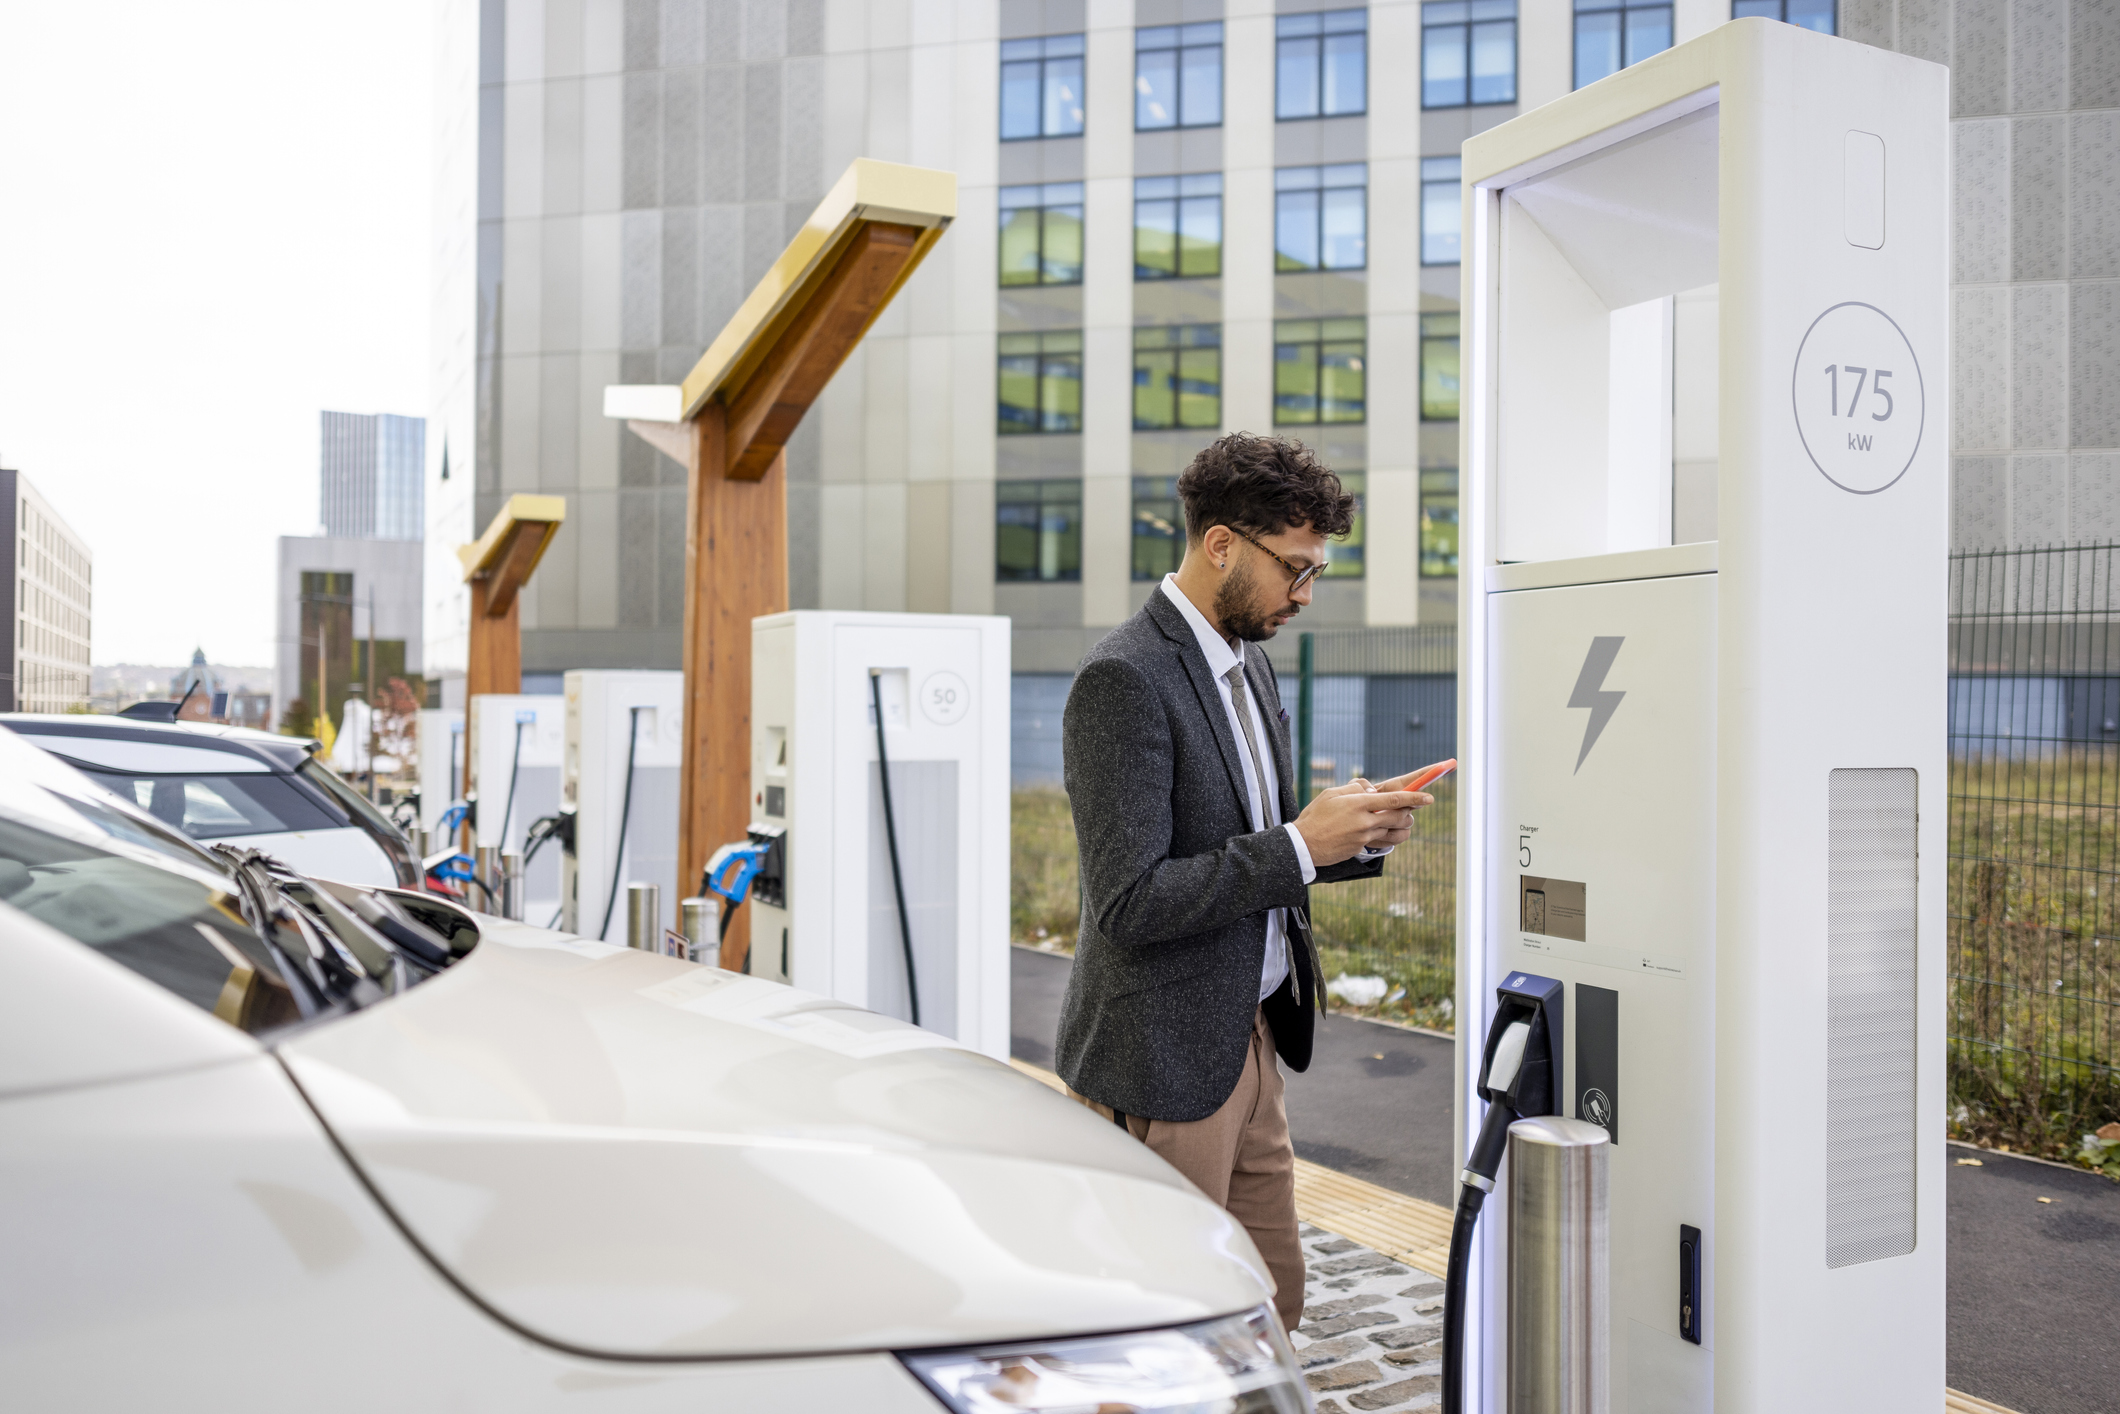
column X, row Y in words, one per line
column 1553, row 918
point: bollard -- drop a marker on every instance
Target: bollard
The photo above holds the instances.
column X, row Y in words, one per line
column 699, row 919
column 486, row 865
column 512, row 900
column 644, row 917
column 1559, row 1318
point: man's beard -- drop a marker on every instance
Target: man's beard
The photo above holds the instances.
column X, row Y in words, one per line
column 1235, row 608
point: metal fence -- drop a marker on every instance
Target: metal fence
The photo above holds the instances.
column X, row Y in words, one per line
column 1379, row 702
column 2034, row 843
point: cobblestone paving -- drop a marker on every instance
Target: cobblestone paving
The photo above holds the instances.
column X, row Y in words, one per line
column 1371, row 1338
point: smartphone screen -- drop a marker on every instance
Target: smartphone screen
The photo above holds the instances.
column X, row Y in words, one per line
column 1429, row 775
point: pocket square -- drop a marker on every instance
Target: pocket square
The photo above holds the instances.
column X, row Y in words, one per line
column 1284, row 716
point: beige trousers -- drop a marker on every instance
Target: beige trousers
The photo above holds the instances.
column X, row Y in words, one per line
column 1241, row 1157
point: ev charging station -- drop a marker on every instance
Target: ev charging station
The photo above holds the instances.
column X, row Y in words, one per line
column 846, row 920
column 624, row 747
column 1702, row 694
column 441, row 763
column 513, row 741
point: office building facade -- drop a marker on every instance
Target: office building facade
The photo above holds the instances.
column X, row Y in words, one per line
column 1177, row 218
column 45, row 602
column 374, row 476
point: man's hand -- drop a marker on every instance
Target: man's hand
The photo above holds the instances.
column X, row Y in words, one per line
column 1341, row 822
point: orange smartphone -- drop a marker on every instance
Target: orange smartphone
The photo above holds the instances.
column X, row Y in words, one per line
column 1429, row 775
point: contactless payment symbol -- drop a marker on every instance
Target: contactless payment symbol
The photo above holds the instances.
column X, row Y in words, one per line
column 1597, row 1107
column 1859, row 397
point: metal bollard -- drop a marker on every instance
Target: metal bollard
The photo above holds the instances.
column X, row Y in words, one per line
column 512, row 885
column 699, row 919
column 486, row 864
column 644, row 917
column 1559, row 1269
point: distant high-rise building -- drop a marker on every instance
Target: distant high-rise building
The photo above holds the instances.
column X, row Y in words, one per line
column 44, row 601
column 374, row 472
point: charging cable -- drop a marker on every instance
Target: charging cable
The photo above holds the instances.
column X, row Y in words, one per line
column 625, row 814
column 515, row 769
column 1516, row 1079
column 890, row 834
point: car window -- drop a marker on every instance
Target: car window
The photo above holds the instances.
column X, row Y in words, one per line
column 347, row 798
column 176, row 930
column 216, row 807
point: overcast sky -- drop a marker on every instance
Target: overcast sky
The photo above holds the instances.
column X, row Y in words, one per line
column 213, row 225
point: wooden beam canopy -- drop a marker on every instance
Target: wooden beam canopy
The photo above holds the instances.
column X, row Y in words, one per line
column 728, row 424
column 497, row 566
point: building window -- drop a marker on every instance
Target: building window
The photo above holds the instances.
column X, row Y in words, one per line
column 1321, row 217
column 1177, row 226
column 1041, row 382
column 1439, row 525
column 1468, row 53
column 1322, row 64
column 1821, row 15
column 1041, row 234
column 1041, row 87
column 1037, row 531
column 1611, row 34
column 1442, row 210
column 1159, row 527
column 1439, row 367
column 1178, row 77
column 1178, row 377
column 1346, row 552
column 1318, row 370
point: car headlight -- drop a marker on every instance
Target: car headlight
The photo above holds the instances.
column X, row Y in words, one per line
column 1233, row 1365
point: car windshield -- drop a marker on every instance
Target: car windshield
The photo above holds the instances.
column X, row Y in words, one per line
column 219, row 807
column 171, row 927
column 348, row 799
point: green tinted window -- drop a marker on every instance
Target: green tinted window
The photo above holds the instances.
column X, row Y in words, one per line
column 1159, row 527
column 1439, row 367
column 1038, row 530
column 1178, row 376
column 1347, row 557
column 1041, row 234
column 1439, row 525
column 1320, row 371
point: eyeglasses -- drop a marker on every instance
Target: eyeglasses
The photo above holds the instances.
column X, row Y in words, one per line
column 1300, row 575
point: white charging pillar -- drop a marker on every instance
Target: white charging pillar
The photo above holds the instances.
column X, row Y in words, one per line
column 622, row 726
column 441, row 764
column 944, row 684
column 1704, row 437
column 517, row 736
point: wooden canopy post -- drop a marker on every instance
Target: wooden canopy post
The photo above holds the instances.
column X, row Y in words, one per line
column 729, row 424
column 497, row 567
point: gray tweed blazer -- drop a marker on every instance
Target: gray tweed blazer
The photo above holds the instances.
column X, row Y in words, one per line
column 1176, row 884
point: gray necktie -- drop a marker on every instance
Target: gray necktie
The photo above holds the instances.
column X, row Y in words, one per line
column 1235, row 678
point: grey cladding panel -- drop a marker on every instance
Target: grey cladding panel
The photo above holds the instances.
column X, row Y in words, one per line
column 1871, row 1032
column 924, row 800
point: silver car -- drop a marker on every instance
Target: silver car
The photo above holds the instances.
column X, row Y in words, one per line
column 272, row 1142
column 235, row 786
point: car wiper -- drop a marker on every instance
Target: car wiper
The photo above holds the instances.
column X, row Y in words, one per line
column 335, row 971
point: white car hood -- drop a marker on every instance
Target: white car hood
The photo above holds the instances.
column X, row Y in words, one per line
column 628, row 1155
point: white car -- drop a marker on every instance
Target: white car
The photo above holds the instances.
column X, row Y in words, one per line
column 267, row 1143
column 235, row 786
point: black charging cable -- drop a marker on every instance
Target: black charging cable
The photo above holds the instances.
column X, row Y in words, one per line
column 1516, row 1079
column 890, row 833
column 625, row 814
column 515, row 769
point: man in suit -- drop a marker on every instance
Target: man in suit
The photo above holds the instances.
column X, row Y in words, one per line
column 1194, row 970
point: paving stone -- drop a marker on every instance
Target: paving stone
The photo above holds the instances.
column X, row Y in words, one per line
column 1424, row 1288
column 1343, row 1284
column 1327, row 1309
column 1335, row 1247
column 1331, row 1406
column 1428, row 1354
column 1366, row 1261
column 1348, row 1321
column 1428, row 1305
column 1384, row 1396
column 1327, row 1352
column 1347, row 1376
column 1407, row 1337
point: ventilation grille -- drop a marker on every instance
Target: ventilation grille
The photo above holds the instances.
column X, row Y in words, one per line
column 1870, row 1010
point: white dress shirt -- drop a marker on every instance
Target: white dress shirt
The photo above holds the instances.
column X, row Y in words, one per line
column 1221, row 657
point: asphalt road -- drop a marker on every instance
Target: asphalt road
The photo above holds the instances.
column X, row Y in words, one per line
column 2034, row 1297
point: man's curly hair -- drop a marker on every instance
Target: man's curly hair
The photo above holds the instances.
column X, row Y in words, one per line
column 1263, row 485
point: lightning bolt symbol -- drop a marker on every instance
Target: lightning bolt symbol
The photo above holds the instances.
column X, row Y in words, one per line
column 1588, row 692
